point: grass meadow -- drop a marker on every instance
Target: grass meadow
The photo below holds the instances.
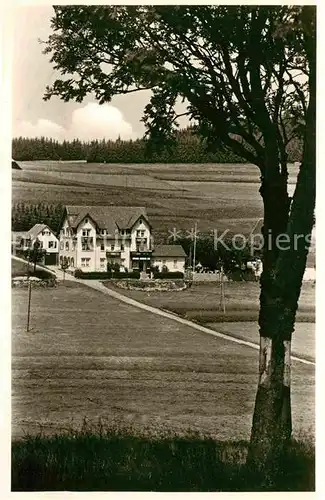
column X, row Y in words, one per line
column 106, row 396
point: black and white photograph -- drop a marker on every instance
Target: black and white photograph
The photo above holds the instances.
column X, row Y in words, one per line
column 163, row 247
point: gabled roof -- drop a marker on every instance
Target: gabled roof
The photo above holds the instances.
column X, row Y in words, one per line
column 35, row 230
column 169, row 251
column 106, row 217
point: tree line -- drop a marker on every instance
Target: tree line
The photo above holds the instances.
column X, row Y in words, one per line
column 25, row 215
column 187, row 148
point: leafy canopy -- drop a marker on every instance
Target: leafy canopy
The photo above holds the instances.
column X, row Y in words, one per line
column 242, row 71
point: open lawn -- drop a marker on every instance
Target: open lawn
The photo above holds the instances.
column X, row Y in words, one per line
column 89, row 355
column 201, row 302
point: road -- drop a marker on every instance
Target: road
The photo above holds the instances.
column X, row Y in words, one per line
column 91, row 355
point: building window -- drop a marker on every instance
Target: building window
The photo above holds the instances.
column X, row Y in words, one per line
column 52, row 244
column 85, row 232
column 85, row 262
column 102, row 231
column 140, row 221
column 175, row 263
column 102, row 246
column 72, row 262
column 61, row 260
column 61, row 245
column 112, row 247
column 86, row 221
column 67, row 245
column 87, row 244
column 69, row 261
column 102, row 263
column 122, row 248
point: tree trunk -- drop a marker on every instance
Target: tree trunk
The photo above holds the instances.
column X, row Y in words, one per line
column 272, row 414
column 280, row 289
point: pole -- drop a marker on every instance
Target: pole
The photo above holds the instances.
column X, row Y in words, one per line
column 29, row 292
column 222, row 292
column 194, row 247
column 29, row 300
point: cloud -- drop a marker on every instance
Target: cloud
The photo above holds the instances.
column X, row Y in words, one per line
column 92, row 121
column 43, row 128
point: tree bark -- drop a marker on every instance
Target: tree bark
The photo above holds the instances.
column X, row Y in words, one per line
column 280, row 290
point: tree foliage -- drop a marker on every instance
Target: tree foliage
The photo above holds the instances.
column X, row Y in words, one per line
column 188, row 148
column 24, row 216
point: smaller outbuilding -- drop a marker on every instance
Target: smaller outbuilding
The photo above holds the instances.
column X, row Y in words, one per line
column 24, row 240
column 169, row 258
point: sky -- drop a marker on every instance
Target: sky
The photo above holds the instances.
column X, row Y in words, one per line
column 32, row 71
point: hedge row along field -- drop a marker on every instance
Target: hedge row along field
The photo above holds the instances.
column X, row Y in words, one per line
column 188, row 149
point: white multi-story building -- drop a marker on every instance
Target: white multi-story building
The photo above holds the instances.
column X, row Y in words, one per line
column 92, row 237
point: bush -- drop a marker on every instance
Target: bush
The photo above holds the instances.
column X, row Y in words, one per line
column 168, row 275
column 98, row 275
column 78, row 273
column 42, row 274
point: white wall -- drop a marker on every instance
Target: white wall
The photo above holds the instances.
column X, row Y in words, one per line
column 140, row 226
column 46, row 238
column 71, row 253
column 95, row 256
column 169, row 262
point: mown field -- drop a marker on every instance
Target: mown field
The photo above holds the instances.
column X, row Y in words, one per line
column 226, row 196
column 201, row 303
column 89, row 355
column 216, row 196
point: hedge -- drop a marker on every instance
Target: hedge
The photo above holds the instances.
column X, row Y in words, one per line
column 168, row 275
column 97, row 275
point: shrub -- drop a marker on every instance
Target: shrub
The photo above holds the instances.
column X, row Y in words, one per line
column 168, row 275
column 98, row 275
column 78, row 273
column 42, row 274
